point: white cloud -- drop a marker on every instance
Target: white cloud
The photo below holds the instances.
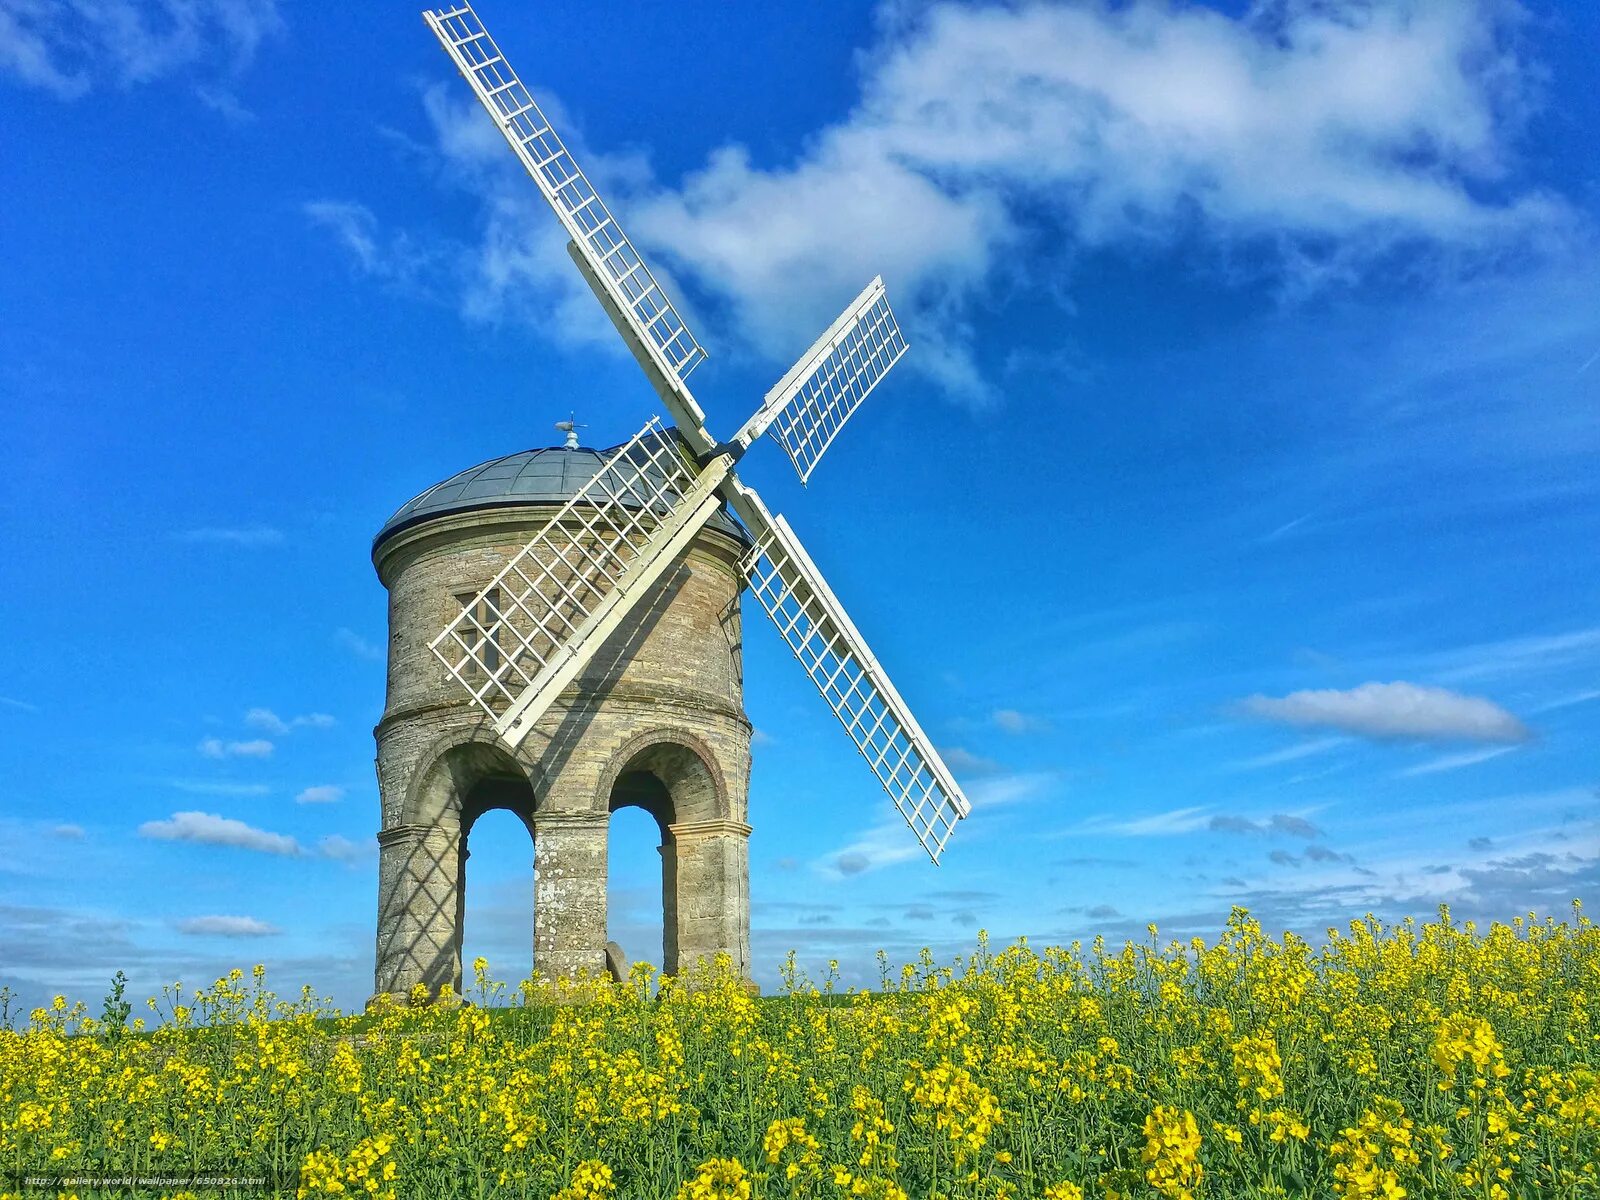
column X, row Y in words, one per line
column 19, row 705
column 324, row 793
column 249, row 537
column 210, row 829
column 268, row 721
column 213, row 747
column 1327, row 133
column 883, row 845
column 1012, row 721
column 342, row 849
column 1453, row 762
column 1388, row 711
column 69, row 47
column 71, row 833
column 240, row 927
column 989, row 142
column 358, row 645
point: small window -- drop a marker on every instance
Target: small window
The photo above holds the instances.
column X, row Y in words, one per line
column 482, row 632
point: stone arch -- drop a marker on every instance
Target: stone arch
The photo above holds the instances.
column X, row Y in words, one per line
column 451, row 766
column 685, row 765
column 675, row 777
column 423, row 856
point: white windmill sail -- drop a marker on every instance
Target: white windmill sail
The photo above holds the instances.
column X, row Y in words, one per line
column 658, row 336
column 808, row 407
column 811, row 620
column 531, row 630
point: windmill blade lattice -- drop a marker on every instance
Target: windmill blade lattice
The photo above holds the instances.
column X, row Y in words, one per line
column 808, row 407
column 611, row 256
column 532, row 628
column 811, row 620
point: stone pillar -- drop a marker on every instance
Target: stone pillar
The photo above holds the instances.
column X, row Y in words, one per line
column 569, row 893
column 419, row 908
column 669, row 903
column 713, row 891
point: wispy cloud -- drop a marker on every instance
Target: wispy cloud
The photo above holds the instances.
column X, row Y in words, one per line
column 1568, row 701
column 392, row 257
column 322, row 793
column 883, row 845
column 220, row 926
column 1010, row 720
column 249, row 537
column 1290, row 753
column 1516, row 656
column 69, row 48
column 357, row 645
column 212, row 829
column 19, row 705
column 963, row 762
column 1286, row 528
column 1290, row 824
column 224, row 103
column 268, row 721
column 342, row 849
column 1003, row 790
column 516, row 268
column 213, row 747
column 70, row 833
column 1453, row 762
column 1390, row 711
column 218, row 787
column 1162, row 824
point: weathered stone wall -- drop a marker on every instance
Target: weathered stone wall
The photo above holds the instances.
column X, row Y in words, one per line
column 663, row 696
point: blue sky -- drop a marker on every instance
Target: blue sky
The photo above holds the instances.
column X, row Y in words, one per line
column 1231, row 524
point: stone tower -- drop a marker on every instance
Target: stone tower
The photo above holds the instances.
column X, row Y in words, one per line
column 657, row 721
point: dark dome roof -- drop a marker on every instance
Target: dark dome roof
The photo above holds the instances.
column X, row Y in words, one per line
column 549, row 475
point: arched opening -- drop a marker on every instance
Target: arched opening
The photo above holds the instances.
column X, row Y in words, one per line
column 658, row 786
column 636, row 834
column 495, row 916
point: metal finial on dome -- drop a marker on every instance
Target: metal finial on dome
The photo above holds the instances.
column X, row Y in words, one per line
column 570, row 427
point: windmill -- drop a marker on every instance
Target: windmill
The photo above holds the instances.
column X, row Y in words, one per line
column 529, row 632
